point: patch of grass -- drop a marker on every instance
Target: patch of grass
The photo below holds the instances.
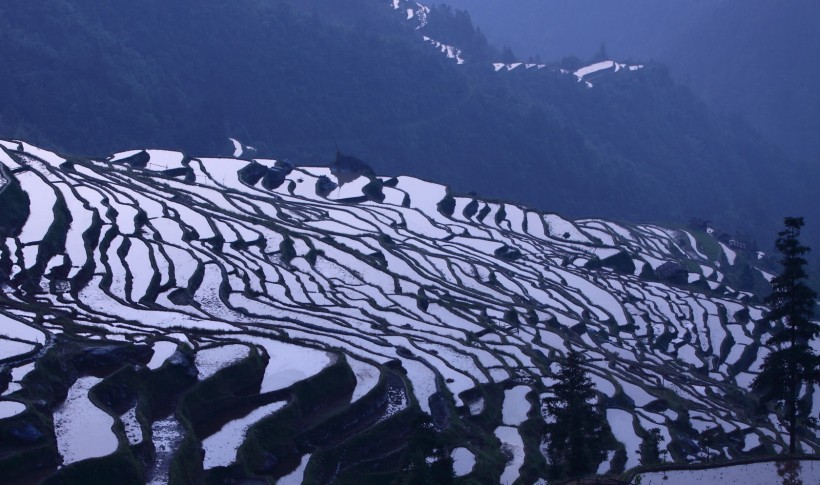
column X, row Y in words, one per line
column 214, row 396
column 121, row 468
column 313, row 401
column 16, row 206
column 706, row 244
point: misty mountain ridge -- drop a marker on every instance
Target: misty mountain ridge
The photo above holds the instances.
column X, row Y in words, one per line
column 742, row 57
column 291, row 79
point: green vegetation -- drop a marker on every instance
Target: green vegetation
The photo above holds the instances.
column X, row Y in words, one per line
column 225, row 390
column 120, row 467
column 580, row 435
column 650, row 451
column 706, row 244
column 312, row 402
column 793, row 363
column 15, row 204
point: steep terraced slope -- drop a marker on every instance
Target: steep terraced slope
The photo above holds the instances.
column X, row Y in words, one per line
column 301, row 318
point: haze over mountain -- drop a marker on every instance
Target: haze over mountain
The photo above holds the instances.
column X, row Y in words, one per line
column 745, row 57
column 297, row 79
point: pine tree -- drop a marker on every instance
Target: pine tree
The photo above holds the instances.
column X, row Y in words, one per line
column 578, row 435
column 793, row 363
column 650, row 451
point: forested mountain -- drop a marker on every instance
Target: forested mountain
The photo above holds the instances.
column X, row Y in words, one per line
column 553, row 29
column 297, row 79
column 751, row 58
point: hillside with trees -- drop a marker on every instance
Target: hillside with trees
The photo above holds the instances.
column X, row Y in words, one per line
column 298, row 79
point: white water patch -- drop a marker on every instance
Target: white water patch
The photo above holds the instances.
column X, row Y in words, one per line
column 212, row 360
column 13, row 348
column 751, row 441
column 162, row 350
column 18, row 373
column 9, row 409
column 424, row 383
column 476, row 407
column 516, row 406
column 367, row 376
column 731, row 256
column 349, row 189
column 6, row 160
column 296, row 476
column 98, row 301
column 223, row 172
column 81, row 220
column 122, row 155
column 815, row 401
column 126, row 212
column 133, row 431
column 694, row 243
column 766, row 275
column 687, row 354
column 598, row 296
column 593, row 68
column 11, row 144
column 605, row 465
column 48, row 157
column 463, row 461
column 220, row 448
column 167, row 435
column 237, row 148
column 621, row 423
column 117, row 271
column 193, row 219
column 139, row 265
column 83, row 430
column 512, row 445
column 752, row 474
column 396, row 402
column 602, row 384
column 164, row 160
column 288, row 363
column 560, row 228
column 41, row 215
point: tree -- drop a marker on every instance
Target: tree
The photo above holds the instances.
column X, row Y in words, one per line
column 426, row 443
column 579, row 433
column 650, row 451
column 792, row 363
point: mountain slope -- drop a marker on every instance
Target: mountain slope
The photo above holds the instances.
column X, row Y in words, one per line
column 552, row 29
column 299, row 320
column 295, row 79
column 744, row 58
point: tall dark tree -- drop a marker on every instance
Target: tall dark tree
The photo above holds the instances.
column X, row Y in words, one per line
column 425, row 443
column 793, row 363
column 650, row 450
column 579, row 433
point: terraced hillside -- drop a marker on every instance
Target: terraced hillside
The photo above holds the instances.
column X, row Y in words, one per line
column 299, row 322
